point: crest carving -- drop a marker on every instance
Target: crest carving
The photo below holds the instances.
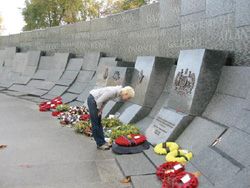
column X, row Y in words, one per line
column 140, row 77
column 106, row 73
column 116, row 76
column 184, row 82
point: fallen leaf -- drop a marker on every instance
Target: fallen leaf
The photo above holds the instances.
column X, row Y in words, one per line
column 126, row 180
column 3, row 146
column 197, row 174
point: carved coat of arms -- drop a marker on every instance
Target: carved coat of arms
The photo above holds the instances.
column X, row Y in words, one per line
column 116, row 76
column 184, row 82
column 106, row 73
column 140, row 77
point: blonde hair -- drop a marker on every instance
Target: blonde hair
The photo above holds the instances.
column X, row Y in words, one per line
column 129, row 91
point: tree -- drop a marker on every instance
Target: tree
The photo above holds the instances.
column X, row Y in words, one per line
column 47, row 13
column 116, row 6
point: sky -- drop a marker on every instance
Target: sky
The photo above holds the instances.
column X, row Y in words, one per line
column 12, row 16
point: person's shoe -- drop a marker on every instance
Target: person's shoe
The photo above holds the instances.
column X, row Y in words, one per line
column 104, row 147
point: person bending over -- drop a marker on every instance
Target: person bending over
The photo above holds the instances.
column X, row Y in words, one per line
column 96, row 102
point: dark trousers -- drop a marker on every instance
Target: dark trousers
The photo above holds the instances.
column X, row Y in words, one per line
column 97, row 128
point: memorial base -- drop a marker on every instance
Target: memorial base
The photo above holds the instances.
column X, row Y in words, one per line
column 167, row 126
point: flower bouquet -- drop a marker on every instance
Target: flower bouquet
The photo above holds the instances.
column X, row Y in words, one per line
column 83, row 127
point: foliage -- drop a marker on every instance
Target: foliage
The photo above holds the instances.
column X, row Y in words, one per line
column 123, row 130
column 62, row 108
column 116, row 6
column 40, row 14
column 47, row 13
column 112, row 122
column 81, row 126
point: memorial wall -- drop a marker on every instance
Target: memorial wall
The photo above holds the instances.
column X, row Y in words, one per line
column 160, row 29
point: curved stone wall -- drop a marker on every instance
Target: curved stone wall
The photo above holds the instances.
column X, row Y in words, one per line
column 160, row 29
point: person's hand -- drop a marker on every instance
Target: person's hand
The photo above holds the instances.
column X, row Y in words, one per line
column 99, row 112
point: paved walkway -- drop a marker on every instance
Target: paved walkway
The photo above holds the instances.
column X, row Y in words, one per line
column 42, row 154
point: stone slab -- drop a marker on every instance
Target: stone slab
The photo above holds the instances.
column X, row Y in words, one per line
column 149, row 81
column 67, row 78
column 85, row 76
column 48, row 96
column 240, row 180
column 197, row 71
column 167, row 126
column 111, row 108
column 61, row 60
column 41, row 84
column 236, row 144
column 234, row 81
column 224, row 109
column 242, row 15
column 144, row 124
column 74, row 64
column 12, row 93
column 19, row 62
column 76, row 103
column 243, row 121
column 16, row 87
column 69, row 97
column 213, row 165
column 41, row 74
column 128, row 111
column 109, row 171
column 102, row 71
column 91, row 60
column 57, row 90
column 206, row 132
column 119, row 76
column 147, row 181
column 130, row 164
column 156, row 159
column 36, row 92
column 6, row 84
column 215, row 8
column 132, row 113
column 23, row 79
column 54, row 76
column 83, row 96
column 34, row 58
column 78, row 87
column 46, row 63
column 161, row 102
column 203, row 181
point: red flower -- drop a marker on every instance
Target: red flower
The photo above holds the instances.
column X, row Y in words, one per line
column 55, row 113
column 85, row 117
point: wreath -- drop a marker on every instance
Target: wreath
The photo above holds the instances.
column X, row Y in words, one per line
column 130, row 140
column 181, row 180
column 169, row 170
column 166, row 147
column 181, row 156
column 123, row 130
column 46, row 106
